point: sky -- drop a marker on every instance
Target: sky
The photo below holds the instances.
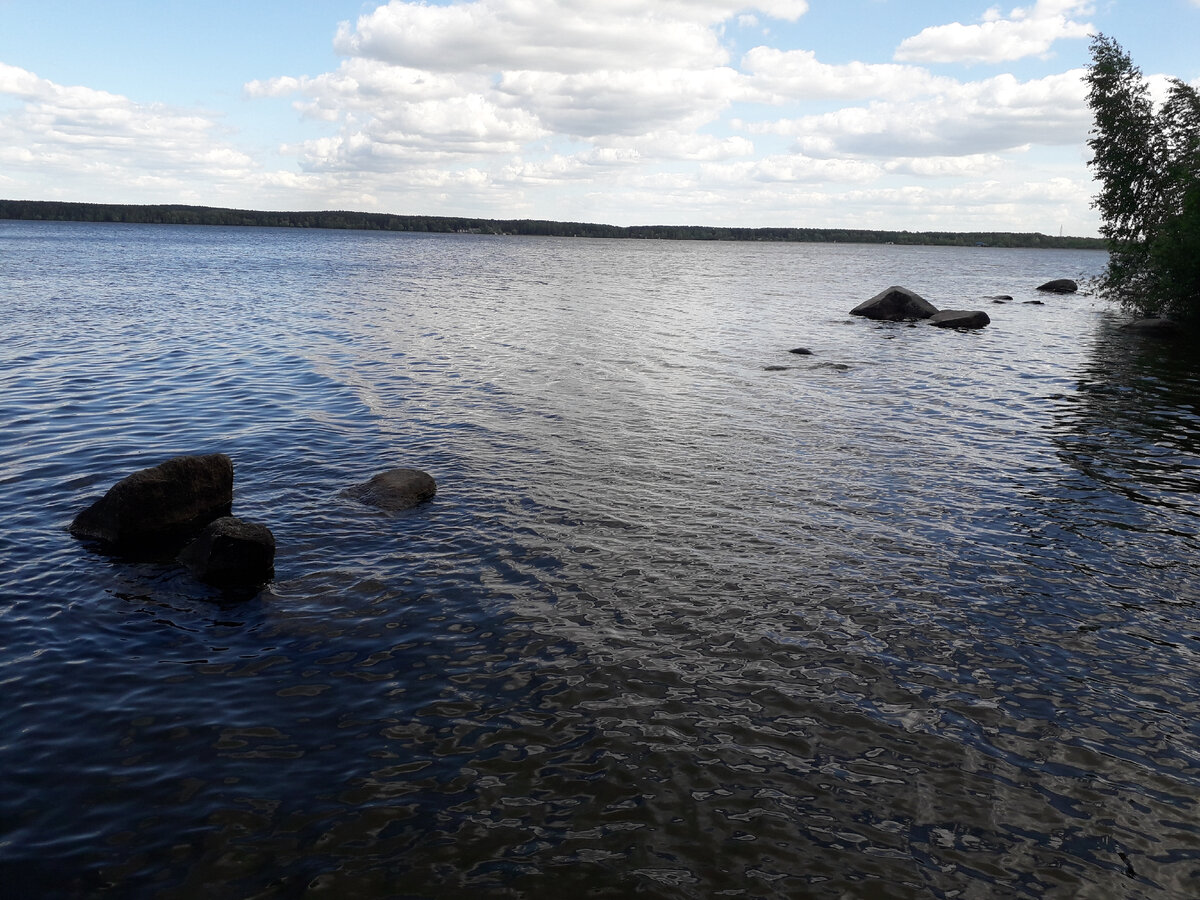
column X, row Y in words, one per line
column 887, row 114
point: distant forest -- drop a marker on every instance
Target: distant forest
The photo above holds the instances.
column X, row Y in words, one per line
column 42, row 210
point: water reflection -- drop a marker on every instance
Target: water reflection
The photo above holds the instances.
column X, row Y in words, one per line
column 1134, row 424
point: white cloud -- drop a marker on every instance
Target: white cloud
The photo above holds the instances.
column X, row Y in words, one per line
column 624, row 102
column 992, row 116
column 532, row 35
column 1026, row 31
column 78, row 143
column 491, row 76
column 78, row 129
column 777, row 76
column 791, row 168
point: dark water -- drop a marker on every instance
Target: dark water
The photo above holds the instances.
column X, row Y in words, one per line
column 916, row 617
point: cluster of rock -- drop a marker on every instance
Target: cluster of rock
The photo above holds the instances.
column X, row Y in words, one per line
column 182, row 509
column 899, row 304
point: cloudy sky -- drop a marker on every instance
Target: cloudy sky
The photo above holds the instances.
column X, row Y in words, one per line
column 897, row 114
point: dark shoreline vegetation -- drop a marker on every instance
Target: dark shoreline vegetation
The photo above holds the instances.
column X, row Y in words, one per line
column 174, row 214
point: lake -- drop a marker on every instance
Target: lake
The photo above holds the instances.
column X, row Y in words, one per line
column 915, row 616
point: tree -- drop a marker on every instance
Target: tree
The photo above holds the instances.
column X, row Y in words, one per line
column 1148, row 166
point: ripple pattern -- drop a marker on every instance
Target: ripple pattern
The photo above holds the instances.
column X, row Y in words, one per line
column 913, row 616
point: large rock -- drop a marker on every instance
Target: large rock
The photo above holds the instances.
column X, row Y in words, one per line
column 894, row 305
column 395, row 489
column 161, row 507
column 231, row 552
column 959, row 318
column 1059, row 286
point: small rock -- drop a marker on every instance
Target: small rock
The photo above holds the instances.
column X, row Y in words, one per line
column 895, row 304
column 801, row 351
column 161, row 507
column 231, row 552
column 1033, row 303
column 776, row 368
column 395, row 489
column 999, row 298
column 959, row 318
column 1059, row 286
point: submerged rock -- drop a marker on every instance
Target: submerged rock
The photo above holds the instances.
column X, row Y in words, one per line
column 395, row 489
column 1033, row 302
column 801, row 351
column 1059, row 286
column 776, row 368
column 894, row 305
column 999, row 298
column 231, row 552
column 161, row 507
column 959, row 318
column 1155, row 326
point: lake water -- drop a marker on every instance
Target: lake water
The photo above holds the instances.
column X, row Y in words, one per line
column 914, row 617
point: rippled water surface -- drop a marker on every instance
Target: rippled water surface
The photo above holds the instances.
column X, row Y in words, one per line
column 915, row 616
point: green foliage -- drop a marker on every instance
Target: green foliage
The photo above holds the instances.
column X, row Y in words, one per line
column 1148, row 166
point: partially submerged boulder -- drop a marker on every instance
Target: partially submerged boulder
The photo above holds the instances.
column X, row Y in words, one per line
column 395, row 489
column 160, row 507
column 1059, row 286
column 1157, row 327
column 895, row 305
column 231, row 552
column 960, row 318
column 801, row 351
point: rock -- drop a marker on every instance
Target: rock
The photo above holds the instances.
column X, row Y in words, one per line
column 395, row 489
column 959, row 318
column 160, row 508
column 1155, row 327
column 776, row 368
column 999, row 298
column 1059, row 286
column 894, row 305
column 801, row 351
column 230, row 552
column 1033, row 303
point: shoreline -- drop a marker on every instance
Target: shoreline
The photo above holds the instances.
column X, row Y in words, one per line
column 179, row 214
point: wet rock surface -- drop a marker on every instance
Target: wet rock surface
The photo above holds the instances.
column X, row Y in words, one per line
column 960, row 318
column 895, row 304
column 1059, row 286
column 155, row 508
column 394, row 490
column 232, row 552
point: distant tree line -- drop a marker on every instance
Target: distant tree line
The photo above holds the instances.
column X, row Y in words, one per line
column 173, row 214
